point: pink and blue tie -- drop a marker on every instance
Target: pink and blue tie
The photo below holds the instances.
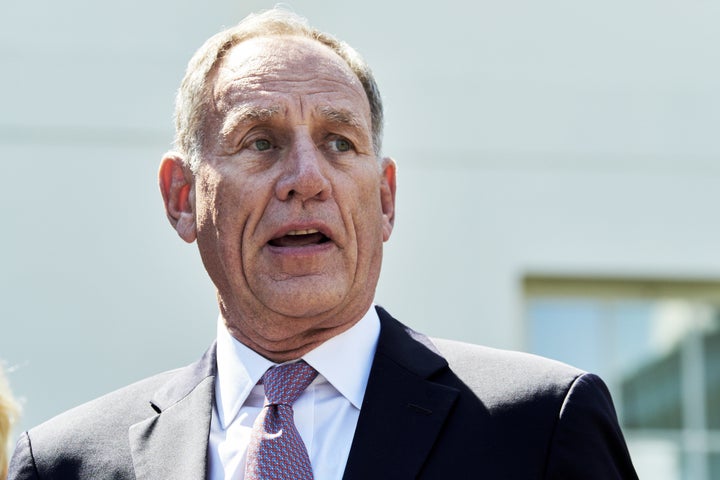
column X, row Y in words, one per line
column 276, row 451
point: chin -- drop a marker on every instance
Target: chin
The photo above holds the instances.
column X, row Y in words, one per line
column 302, row 308
column 304, row 296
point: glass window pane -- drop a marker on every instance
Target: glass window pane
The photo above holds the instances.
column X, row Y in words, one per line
column 712, row 380
column 660, row 357
column 714, row 465
column 566, row 330
column 651, row 396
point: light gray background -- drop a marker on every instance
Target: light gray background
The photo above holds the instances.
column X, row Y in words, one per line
column 532, row 137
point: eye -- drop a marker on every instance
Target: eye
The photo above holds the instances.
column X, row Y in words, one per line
column 341, row 144
column 262, row 144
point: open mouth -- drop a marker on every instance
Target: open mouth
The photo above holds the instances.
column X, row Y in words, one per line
column 299, row 238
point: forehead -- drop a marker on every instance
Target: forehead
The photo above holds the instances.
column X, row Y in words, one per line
column 266, row 69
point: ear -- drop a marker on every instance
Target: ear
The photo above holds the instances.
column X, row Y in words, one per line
column 387, row 196
column 176, row 186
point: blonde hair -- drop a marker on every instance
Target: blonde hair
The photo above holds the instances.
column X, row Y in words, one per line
column 9, row 411
column 194, row 98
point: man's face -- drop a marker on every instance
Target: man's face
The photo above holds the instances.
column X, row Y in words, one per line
column 290, row 202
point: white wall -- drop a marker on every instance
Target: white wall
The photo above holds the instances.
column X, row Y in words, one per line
column 543, row 137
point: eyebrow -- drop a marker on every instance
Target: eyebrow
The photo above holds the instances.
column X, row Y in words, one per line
column 247, row 114
column 340, row 116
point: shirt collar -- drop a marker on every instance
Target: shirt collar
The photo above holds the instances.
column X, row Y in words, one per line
column 239, row 369
column 344, row 361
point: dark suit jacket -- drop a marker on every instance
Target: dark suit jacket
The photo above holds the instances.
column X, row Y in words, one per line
column 490, row 414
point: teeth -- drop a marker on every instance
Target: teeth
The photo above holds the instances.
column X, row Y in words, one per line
column 302, row 232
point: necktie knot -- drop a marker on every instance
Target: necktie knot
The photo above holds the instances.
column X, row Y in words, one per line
column 284, row 384
column 276, row 451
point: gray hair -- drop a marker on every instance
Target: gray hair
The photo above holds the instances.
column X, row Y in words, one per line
column 194, row 97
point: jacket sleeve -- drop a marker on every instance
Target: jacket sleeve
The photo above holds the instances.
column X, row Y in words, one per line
column 587, row 442
column 22, row 463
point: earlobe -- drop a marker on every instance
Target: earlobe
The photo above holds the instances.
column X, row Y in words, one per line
column 176, row 186
column 387, row 196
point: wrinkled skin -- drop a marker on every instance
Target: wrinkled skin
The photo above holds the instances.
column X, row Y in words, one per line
column 290, row 205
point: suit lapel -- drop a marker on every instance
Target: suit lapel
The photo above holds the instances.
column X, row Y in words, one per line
column 403, row 411
column 173, row 443
column 401, row 416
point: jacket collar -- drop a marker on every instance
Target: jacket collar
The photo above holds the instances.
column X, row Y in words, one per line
column 172, row 443
column 403, row 410
column 401, row 416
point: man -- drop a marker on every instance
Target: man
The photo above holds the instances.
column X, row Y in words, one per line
column 279, row 178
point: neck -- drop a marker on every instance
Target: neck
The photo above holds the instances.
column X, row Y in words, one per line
column 288, row 340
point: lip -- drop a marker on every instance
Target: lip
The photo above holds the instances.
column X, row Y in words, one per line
column 300, row 228
column 289, row 229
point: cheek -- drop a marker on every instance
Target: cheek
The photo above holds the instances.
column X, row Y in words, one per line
column 204, row 207
column 217, row 213
column 367, row 203
column 368, row 219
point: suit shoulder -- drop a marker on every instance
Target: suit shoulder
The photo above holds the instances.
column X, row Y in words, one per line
column 478, row 357
column 498, row 378
column 80, row 439
column 104, row 415
column 497, row 375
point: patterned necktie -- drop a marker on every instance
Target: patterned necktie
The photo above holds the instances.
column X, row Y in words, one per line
column 276, row 451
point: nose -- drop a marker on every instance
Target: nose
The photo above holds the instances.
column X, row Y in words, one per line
column 304, row 173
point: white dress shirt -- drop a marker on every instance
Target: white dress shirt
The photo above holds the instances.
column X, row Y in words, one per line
column 325, row 414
